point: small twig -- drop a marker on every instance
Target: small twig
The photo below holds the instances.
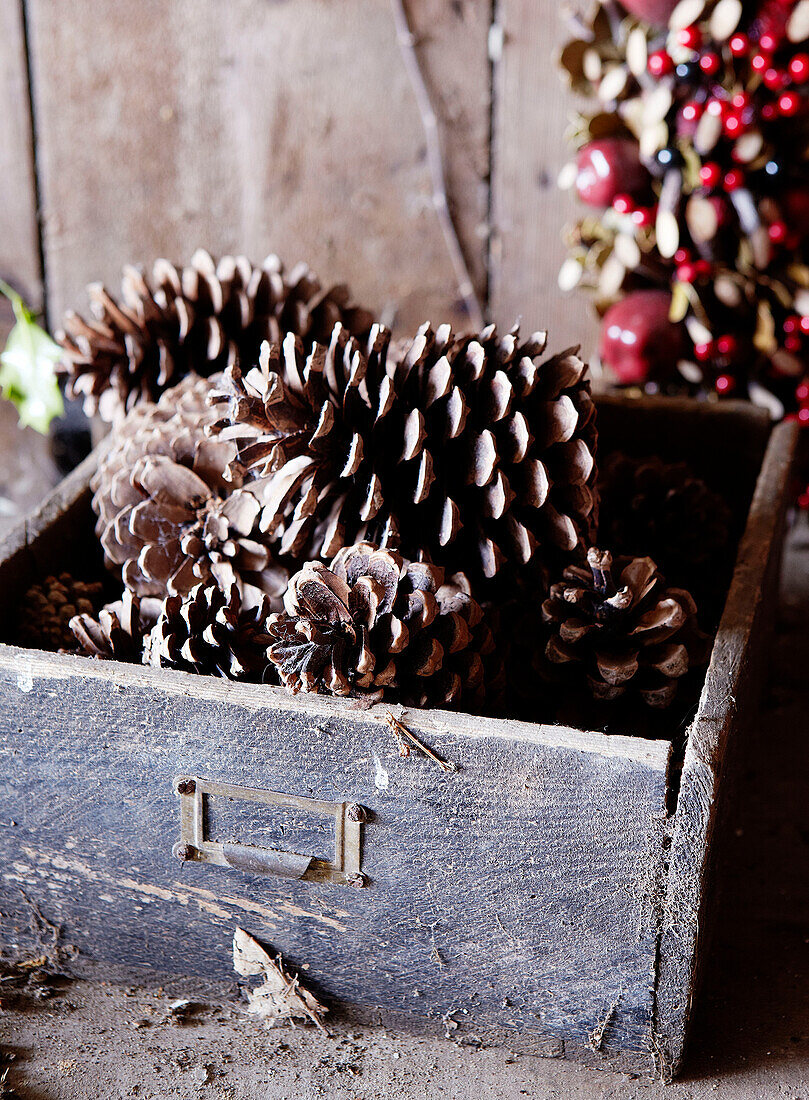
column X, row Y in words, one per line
column 435, row 162
column 403, row 736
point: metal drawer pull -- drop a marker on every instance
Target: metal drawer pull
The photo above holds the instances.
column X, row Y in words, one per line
column 196, row 846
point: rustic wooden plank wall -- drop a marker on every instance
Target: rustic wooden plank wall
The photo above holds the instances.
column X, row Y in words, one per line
column 532, row 110
column 290, row 127
column 19, row 247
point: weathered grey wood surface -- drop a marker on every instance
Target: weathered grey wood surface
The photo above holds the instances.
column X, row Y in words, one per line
column 729, row 701
column 514, row 896
column 19, row 248
column 253, row 127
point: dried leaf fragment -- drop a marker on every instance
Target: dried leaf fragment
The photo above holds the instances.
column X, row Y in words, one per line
column 278, row 997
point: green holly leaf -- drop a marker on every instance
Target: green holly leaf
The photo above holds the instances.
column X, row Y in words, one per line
column 27, row 368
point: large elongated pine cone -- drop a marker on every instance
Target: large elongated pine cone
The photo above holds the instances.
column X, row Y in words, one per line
column 195, row 318
column 119, row 630
column 209, row 631
column 466, row 450
column 633, row 635
column 47, row 608
column 375, row 623
column 167, row 518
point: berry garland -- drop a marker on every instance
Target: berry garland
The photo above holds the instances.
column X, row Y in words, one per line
column 697, row 157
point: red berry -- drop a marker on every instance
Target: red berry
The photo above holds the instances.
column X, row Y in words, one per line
column 681, row 255
column 686, row 273
column 623, row 204
column 692, row 111
column 759, row 62
column 690, row 38
column 709, row 63
column 733, row 126
column 725, row 384
column 777, row 232
column 710, row 174
column 803, row 500
column 802, row 392
column 793, row 343
column 638, row 339
column 739, row 45
column 734, row 179
column 768, row 112
column 607, row 167
column 727, row 345
column 740, row 100
column 791, row 323
column 799, row 68
column 643, row 217
column 703, row 268
column 789, row 103
column 803, row 416
column 805, row 324
column 768, row 42
column 774, row 79
column 660, row 63
column 703, row 352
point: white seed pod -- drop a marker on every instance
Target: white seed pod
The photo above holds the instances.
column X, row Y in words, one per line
column 637, row 51
column 725, row 19
column 798, row 25
column 685, row 14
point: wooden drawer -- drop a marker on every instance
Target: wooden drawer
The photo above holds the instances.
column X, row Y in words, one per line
column 547, row 894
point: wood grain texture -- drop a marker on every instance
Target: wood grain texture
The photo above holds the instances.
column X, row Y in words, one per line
column 256, row 127
column 729, row 701
column 514, row 896
column 532, row 109
column 19, row 248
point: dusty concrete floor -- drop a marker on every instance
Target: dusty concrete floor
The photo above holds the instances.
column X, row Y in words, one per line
column 751, row 1034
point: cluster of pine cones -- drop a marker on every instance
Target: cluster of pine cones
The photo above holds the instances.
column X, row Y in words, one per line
column 288, row 495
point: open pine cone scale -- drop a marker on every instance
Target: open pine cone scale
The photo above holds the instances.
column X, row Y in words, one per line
column 463, row 450
column 634, row 633
column 375, row 623
column 167, row 516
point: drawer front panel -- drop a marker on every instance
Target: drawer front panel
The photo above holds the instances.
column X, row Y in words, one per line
column 516, row 893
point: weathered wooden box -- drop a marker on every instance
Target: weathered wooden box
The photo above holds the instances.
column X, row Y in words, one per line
column 550, row 894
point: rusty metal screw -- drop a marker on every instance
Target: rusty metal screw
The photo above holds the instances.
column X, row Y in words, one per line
column 355, row 812
column 184, row 852
column 357, row 879
column 186, row 786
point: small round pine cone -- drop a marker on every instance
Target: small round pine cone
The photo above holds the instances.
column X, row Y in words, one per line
column 670, row 512
column 167, row 518
column 374, row 623
column 196, row 319
column 47, row 608
column 630, row 636
column 209, row 631
column 118, row 631
column 465, row 450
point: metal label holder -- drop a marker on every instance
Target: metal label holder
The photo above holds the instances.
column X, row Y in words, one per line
column 194, row 845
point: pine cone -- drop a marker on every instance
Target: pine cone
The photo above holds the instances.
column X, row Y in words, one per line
column 464, row 450
column 119, row 630
column 47, row 609
column 197, row 318
column 375, row 623
column 210, row 632
column 167, row 517
column 664, row 508
column 640, row 638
